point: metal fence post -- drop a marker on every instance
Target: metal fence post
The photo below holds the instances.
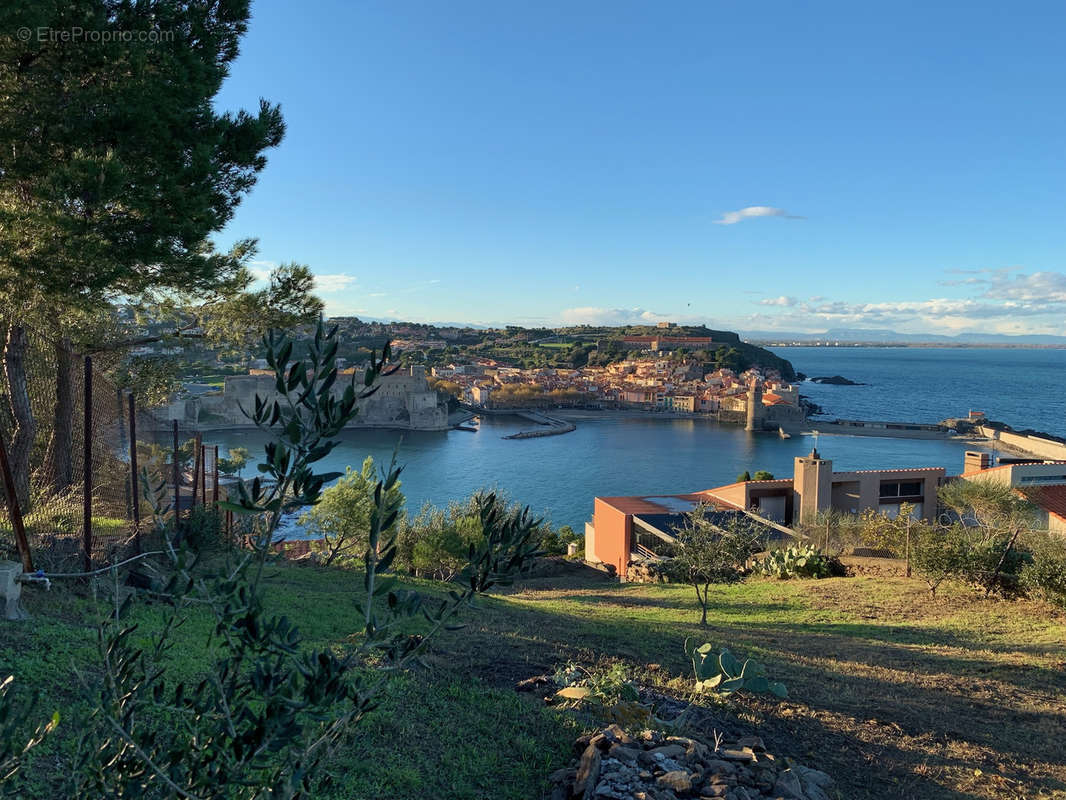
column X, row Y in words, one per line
column 134, row 494
column 197, row 447
column 214, row 485
column 87, row 482
column 177, row 485
column 14, row 510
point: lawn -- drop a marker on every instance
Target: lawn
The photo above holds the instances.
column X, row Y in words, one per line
column 896, row 694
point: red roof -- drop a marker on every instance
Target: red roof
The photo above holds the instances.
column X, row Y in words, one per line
column 646, row 504
column 1050, row 498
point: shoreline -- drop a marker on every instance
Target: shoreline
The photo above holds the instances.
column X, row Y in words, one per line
column 564, row 420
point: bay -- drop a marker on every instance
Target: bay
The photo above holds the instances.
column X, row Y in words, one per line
column 558, row 476
column 1026, row 388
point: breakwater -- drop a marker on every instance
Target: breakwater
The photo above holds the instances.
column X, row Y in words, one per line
column 551, row 426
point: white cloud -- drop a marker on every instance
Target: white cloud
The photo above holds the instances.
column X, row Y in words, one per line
column 733, row 217
column 261, row 269
column 1001, row 300
column 1039, row 287
column 591, row 315
column 333, row 282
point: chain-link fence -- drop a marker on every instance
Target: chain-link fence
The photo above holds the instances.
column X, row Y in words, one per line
column 74, row 446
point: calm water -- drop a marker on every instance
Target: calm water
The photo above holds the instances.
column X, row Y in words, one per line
column 1024, row 388
column 559, row 475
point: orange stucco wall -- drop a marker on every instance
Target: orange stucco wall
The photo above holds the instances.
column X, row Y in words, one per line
column 612, row 536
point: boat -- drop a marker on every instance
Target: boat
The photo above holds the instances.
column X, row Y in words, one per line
column 782, row 434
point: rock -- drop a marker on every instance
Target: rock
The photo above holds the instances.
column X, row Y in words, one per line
column 754, row 742
column 836, row 380
column 615, row 734
column 564, row 775
column 732, row 754
column 588, row 772
column 816, row 784
column 815, row 776
column 676, row 780
column 668, row 751
column 717, row 765
column 580, row 743
column 653, row 766
column 623, row 753
column 788, row 785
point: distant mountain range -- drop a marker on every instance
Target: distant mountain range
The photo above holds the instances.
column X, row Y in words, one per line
column 885, row 336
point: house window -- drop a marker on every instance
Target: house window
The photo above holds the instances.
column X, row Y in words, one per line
column 891, row 490
column 1051, row 479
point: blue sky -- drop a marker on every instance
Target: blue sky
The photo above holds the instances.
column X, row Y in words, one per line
column 752, row 165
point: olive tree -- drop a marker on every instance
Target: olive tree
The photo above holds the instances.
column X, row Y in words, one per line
column 711, row 552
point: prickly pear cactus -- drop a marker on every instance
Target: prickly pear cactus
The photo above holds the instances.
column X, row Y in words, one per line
column 722, row 672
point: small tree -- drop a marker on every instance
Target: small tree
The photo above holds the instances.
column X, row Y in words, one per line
column 342, row 516
column 763, row 475
column 1000, row 516
column 710, row 552
column 235, row 463
column 744, row 477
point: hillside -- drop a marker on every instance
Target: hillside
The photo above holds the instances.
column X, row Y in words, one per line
column 894, row 694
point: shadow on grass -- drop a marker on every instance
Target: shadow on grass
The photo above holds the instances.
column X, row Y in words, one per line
column 886, row 719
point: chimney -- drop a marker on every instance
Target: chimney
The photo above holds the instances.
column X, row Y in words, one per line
column 976, row 461
column 813, row 483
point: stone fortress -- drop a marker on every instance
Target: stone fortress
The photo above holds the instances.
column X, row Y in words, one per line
column 403, row 400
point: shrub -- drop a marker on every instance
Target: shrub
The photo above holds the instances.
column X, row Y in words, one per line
column 1044, row 576
column 554, row 542
column 607, row 693
column 800, row 562
column 436, row 543
column 996, row 566
column 342, row 515
column 941, row 553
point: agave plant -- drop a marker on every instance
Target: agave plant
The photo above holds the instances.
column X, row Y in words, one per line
column 720, row 671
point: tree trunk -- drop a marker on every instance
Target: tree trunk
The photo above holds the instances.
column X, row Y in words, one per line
column 25, row 429
column 1002, row 560
column 63, row 418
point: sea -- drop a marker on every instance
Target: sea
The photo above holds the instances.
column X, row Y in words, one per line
column 558, row 476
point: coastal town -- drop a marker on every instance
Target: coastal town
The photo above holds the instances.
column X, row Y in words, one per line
column 648, row 382
column 668, row 371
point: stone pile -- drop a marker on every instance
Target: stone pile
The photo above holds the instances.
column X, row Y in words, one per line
column 657, row 766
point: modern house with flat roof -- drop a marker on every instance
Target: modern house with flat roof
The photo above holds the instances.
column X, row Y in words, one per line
column 626, row 529
column 815, row 488
column 1043, row 483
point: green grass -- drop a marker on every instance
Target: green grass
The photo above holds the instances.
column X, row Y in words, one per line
column 896, row 694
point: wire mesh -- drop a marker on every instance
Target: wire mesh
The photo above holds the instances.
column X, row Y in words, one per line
column 74, row 484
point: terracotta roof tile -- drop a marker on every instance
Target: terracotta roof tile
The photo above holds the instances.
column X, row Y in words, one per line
column 1050, row 498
